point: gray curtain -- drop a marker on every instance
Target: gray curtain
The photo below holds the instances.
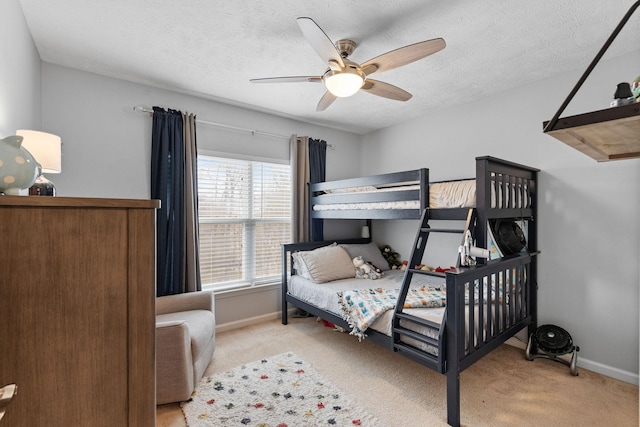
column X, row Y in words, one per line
column 308, row 164
column 192, row 280
column 299, row 151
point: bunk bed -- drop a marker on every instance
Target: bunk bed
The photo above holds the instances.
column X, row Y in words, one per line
column 451, row 336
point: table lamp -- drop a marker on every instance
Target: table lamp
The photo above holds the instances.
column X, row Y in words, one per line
column 46, row 148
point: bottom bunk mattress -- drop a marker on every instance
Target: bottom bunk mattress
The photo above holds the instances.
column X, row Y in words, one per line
column 326, row 296
column 329, row 297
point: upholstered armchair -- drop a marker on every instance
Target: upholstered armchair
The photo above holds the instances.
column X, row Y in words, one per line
column 185, row 340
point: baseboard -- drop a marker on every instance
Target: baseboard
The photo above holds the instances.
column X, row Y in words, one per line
column 251, row 321
column 590, row 365
column 515, row 342
column 619, row 374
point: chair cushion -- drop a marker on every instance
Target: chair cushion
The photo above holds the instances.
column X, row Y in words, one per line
column 201, row 327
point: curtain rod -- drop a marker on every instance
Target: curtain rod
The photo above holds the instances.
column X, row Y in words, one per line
column 142, row 109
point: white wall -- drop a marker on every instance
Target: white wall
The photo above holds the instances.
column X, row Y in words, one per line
column 19, row 73
column 107, row 146
column 107, row 150
column 589, row 233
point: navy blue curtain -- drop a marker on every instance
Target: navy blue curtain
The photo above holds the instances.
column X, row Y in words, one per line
column 317, row 173
column 167, row 183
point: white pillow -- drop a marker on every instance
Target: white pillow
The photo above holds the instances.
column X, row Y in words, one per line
column 324, row 264
column 300, row 266
column 369, row 252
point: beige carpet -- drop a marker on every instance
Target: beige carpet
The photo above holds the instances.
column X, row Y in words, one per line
column 502, row 389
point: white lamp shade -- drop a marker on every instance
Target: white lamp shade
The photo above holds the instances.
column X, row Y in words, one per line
column 46, row 148
column 343, row 83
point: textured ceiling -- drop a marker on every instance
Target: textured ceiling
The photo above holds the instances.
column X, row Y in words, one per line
column 211, row 48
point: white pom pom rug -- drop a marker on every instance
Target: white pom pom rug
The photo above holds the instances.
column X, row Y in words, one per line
column 279, row 391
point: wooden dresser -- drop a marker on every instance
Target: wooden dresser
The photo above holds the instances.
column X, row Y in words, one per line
column 77, row 311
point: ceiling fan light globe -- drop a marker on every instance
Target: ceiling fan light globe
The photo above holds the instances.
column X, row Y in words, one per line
column 343, row 83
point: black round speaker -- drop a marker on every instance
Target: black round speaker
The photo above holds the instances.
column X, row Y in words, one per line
column 509, row 237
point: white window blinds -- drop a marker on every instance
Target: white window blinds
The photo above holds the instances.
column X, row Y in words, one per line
column 245, row 215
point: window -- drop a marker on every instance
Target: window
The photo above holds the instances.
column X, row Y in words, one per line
column 245, row 215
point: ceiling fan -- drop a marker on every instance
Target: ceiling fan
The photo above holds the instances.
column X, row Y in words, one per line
column 344, row 77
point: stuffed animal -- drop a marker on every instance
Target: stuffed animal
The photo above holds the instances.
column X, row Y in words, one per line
column 376, row 269
column 366, row 270
column 392, row 257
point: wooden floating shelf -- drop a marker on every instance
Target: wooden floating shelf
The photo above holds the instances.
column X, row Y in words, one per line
column 604, row 135
column 611, row 134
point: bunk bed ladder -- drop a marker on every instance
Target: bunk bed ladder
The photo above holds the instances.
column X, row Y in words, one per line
column 434, row 356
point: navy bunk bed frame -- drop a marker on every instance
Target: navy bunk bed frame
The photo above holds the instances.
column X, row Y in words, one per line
column 501, row 187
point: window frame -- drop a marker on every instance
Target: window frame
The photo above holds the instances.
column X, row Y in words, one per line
column 249, row 230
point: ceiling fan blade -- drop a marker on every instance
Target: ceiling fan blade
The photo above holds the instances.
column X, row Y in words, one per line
column 292, row 79
column 404, row 55
column 326, row 100
column 319, row 41
column 369, row 69
column 385, row 90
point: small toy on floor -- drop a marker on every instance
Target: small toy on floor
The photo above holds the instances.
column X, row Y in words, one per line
column 332, row 326
column 301, row 314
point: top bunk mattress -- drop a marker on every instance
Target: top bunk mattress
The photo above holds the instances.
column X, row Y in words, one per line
column 442, row 195
column 452, row 194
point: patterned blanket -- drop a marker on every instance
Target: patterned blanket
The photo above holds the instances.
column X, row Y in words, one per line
column 362, row 307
